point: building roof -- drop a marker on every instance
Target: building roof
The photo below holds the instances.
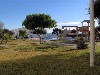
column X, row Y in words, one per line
column 88, row 21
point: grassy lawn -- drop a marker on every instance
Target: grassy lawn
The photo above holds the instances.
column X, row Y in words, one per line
column 19, row 57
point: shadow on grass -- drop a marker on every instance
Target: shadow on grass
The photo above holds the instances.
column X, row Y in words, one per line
column 30, row 48
column 2, row 48
column 50, row 65
column 12, row 44
column 47, row 47
column 34, row 44
column 73, row 49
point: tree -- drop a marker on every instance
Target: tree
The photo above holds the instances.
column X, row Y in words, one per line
column 1, row 32
column 96, row 10
column 40, row 32
column 5, row 35
column 1, row 25
column 81, row 43
column 22, row 34
column 39, row 22
column 97, row 33
column 57, row 31
column 73, row 31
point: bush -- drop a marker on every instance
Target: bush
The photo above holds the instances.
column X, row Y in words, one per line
column 81, row 44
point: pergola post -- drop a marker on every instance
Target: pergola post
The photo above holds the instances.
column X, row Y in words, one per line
column 88, row 22
column 88, row 31
column 82, row 29
column 77, row 32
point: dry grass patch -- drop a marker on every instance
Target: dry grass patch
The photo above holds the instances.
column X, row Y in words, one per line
column 21, row 58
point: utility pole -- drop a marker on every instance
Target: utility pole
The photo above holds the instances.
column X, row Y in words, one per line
column 92, row 34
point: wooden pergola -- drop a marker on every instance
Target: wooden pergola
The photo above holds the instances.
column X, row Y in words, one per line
column 72, row 26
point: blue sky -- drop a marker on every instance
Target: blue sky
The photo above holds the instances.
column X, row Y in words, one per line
column 65, row 12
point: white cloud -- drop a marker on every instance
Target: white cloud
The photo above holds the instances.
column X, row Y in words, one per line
column 74, row 24
column 49, row 30
column 68, row 23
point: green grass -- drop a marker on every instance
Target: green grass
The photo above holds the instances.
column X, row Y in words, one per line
column 24, row 58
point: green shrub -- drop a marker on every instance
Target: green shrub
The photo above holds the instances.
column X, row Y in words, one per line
column 81, row 44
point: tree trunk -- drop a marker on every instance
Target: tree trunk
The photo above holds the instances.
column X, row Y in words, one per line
column 6, row 40
column 23, row 38
column 2, row 40
column 57, row 36
column 40, row 39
